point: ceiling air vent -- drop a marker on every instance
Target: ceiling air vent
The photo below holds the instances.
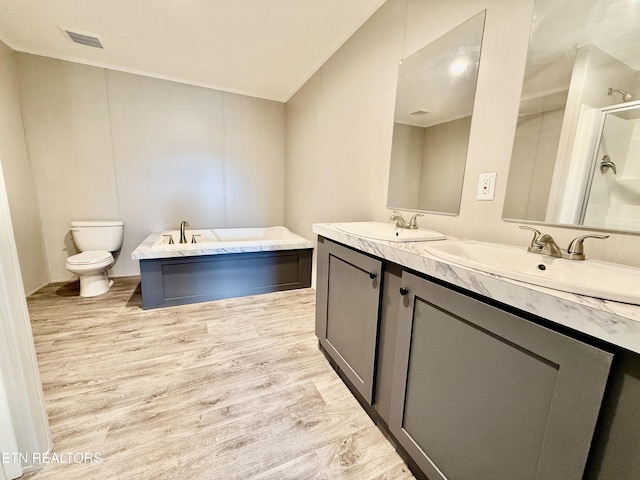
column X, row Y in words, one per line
column 420, row 112
column 83, row 39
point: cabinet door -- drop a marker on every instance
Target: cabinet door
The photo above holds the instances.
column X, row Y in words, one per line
column 348, row 297
column 480, row 393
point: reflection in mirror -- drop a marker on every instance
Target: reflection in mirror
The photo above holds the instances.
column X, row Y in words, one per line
column 582, row 76
column 434, row 103
column 613, row 195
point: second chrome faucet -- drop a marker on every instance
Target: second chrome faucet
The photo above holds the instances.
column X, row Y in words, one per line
column 401, row 223
column 544, row 244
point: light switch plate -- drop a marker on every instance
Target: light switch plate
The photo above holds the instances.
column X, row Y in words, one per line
column 487, row 186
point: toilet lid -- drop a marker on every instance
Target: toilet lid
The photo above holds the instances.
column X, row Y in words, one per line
column 90, row 257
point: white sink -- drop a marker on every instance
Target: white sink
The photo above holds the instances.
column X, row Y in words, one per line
column 594, row 278
column 389, row 232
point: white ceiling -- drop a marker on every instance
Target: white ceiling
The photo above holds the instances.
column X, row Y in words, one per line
column 262, row 48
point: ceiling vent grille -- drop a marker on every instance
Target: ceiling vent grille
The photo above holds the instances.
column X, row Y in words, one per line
column 82, row 39
column 420, row 112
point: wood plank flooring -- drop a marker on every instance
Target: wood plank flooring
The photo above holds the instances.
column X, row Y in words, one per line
column 232, row 390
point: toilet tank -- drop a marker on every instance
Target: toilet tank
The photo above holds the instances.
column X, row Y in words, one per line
column 98, row 235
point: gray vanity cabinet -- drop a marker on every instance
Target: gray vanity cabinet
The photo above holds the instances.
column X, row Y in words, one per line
column 479, row 393
column 347, row 305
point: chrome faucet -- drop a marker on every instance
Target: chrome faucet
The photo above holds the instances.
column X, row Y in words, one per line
column 183, row 228
column 544, row 244
column 401, row 223
column 576, row 249
column 549, row 246
column 413, row 223
column 399, row 219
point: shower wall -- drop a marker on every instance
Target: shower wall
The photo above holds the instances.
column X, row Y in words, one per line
column 614, row 198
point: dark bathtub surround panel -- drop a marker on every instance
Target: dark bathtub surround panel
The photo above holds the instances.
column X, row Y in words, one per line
column 182, row 280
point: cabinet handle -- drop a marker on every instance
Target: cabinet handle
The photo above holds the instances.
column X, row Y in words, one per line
column 372, row 275
column 404, row 291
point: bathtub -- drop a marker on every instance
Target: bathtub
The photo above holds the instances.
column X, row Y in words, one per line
column 221, row 263
column 228, row 239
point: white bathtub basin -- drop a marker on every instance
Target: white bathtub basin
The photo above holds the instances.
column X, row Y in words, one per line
column 594, row 278
column 225, row 238
column 389, row 232
column 252, row 234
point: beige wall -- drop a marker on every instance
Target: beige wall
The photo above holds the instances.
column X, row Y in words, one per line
column 18, row 178
column 339, row 129
column 428, row 166
column 339, row 125
column 534, row 148
column 111, row 145
column 407, row 151
column 443, row 160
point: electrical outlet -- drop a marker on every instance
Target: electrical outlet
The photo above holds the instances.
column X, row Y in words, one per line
column 486, row 186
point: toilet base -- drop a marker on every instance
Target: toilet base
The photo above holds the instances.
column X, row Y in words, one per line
column 94, row 284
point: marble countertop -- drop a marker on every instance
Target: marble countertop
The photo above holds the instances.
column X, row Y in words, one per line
column 146, row 249
column 613, row 322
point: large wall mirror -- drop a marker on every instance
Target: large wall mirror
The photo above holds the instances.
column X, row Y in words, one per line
column 434, row 104
column 576, row 153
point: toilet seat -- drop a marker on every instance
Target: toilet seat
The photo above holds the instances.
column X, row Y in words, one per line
column 91, row 267
column 93, row 257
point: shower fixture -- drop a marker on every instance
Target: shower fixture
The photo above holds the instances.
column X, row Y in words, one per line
column 626, row 96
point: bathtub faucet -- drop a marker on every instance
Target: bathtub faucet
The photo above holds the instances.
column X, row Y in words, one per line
column 183, row 227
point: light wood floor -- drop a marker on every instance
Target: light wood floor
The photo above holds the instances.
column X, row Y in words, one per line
column 233, row 389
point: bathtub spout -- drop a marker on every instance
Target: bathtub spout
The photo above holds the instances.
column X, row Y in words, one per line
column 183, row 228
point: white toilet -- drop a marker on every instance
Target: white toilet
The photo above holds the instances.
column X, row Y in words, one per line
column 95, row 240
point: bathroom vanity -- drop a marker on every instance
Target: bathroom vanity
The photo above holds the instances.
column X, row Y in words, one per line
column 475, row 376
